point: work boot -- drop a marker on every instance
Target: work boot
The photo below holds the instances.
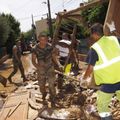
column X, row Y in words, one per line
column 107, row 118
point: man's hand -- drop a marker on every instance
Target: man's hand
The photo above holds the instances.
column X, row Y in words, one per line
column 34, row 58
column 83, row 82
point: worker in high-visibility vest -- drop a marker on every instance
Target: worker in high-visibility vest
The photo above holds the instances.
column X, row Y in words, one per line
column 104, row 61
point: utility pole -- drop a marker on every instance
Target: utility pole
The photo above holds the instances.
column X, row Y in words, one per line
column 33, row 28
column 48, row 22
column 49, row 19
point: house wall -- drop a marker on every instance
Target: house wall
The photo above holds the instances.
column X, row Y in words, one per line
column 41, row 26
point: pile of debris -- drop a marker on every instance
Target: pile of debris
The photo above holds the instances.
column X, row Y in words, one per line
column 115, row 108
column 32, row 76
column 72, row 103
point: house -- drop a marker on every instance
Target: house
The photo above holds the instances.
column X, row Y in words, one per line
column 41, row 26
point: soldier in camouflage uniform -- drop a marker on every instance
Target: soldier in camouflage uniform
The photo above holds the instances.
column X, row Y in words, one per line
column 43, row 56
column 17, row 63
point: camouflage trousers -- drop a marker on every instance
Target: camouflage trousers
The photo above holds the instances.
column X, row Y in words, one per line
column 17, row 66
column 47, row 75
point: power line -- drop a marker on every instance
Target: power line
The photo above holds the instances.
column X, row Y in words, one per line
column 59, row 6
column 71, row 2
column 68, row 1
column 23, row 5
column 25, row 18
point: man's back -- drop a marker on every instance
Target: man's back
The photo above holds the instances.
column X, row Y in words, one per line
column 16, row 52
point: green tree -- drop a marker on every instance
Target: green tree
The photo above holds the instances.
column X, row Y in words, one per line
column 13, row 23
column 95, row 14
column 4, row 30
column 14, row 31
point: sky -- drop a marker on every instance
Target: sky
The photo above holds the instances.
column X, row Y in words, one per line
column 23, row 9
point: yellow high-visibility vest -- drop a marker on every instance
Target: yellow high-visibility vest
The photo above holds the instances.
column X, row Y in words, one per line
column 107, row 68
column 68, row 69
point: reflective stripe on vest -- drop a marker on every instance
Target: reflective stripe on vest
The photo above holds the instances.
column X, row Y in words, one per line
column 97, row 47
column 106, row 62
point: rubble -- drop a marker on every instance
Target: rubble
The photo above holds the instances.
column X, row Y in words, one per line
column 71, row 113
column 72, row 103
column 32, row 75
column 115, row 108
column 1, row 102
column 34, row 105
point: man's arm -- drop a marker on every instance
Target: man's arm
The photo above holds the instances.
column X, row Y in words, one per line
column 15, row 54
column 88, row 72
column 75, row 56
column 34, row 60
column 55, row 57
column 118, row 39
column 91, row 60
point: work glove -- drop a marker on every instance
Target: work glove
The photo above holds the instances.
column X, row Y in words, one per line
column 111, row 26
column 84, row 83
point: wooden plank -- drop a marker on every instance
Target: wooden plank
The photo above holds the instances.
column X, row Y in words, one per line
column 113, row 15
column 58, row 24
column 109, row 16
column 22, row 110
column 3, row 59
column 75, row 15
column 72, row 51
